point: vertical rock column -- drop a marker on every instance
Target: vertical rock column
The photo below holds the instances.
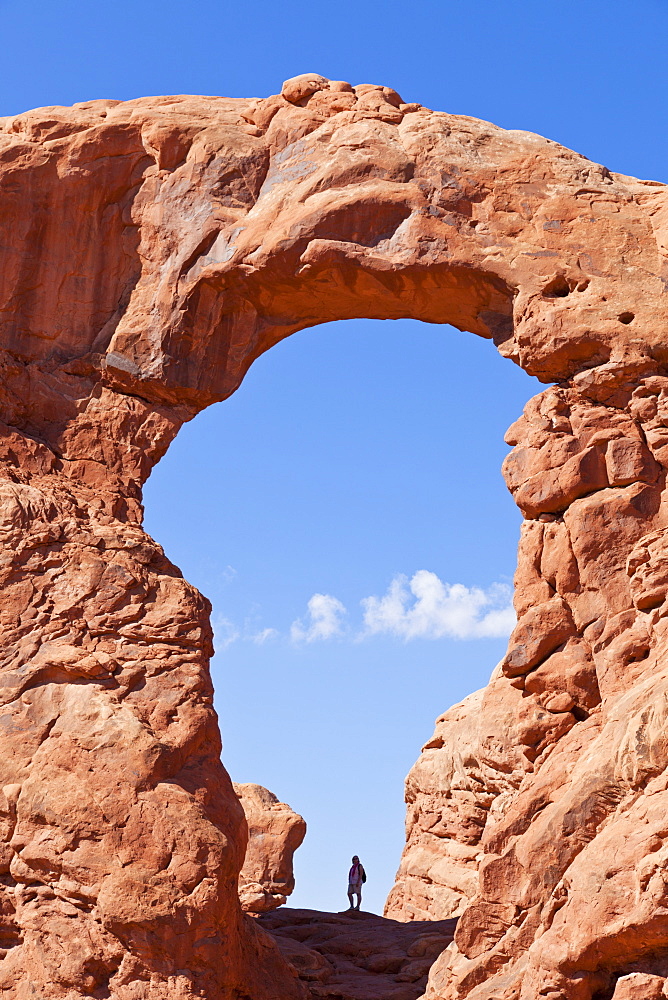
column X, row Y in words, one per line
column 570, row 896
column 275, row 832
column 122, row 837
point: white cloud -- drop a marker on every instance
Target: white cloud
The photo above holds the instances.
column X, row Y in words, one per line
column 427, row 608
column 259, row 638
column 423, row 607
column 225, row 632
column 324, row 620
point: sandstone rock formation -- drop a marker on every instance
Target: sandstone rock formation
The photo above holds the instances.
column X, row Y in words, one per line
column 274, row 834
column 151, row 250
column 358, row 956
column 462, row 774
column 570, row 893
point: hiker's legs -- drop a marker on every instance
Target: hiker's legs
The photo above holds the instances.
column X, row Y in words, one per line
column 350, row 899
column 358, row 893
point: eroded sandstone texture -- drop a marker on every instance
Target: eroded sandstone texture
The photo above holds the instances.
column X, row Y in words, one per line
column 358, row 956
column 151, row 250
column 450, row 792
column 275, row 832
column 571, row 891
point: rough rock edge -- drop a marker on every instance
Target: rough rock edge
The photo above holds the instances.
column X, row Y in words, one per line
column 152, row 250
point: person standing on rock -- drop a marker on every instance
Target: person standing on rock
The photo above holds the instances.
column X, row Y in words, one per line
column 356, row 876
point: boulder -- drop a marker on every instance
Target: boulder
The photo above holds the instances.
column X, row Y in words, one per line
column 274, row 834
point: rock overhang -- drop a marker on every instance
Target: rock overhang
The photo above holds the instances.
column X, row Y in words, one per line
column 230, row 224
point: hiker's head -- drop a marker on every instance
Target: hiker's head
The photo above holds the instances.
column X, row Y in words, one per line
column 355, row 858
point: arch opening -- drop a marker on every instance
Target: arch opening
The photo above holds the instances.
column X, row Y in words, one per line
column 332, row 442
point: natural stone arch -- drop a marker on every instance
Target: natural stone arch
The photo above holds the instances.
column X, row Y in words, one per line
column 151, row 251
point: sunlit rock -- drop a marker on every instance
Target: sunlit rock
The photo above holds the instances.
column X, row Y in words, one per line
column 275, row 832
column 151, row 250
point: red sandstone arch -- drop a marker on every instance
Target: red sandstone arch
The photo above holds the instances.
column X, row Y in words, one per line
column 150, row 251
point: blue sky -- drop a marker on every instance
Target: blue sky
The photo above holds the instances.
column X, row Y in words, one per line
column 355, row 455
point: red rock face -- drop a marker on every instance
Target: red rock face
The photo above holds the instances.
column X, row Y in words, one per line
column 465, row 772
column 274, row 834
column 357, row 955
column 151, row 250
column 570, row 831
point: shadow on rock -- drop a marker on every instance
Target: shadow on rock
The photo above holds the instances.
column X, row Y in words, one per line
column 358, row 955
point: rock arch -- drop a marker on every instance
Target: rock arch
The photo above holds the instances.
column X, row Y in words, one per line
column 151, row 250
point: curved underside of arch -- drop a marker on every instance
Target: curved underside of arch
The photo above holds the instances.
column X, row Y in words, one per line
column 151, row 250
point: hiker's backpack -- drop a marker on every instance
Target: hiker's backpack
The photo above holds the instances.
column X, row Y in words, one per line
column 363, row 874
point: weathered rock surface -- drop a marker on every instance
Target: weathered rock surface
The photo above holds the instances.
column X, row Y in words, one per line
column 150, row 251
column 459, row 777
column 274, row 834
column 358, row 956
column 570, row 892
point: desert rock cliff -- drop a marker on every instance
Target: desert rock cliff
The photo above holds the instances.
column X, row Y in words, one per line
column 151, row 250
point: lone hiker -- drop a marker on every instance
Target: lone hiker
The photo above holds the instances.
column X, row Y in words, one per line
column 356, row 876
